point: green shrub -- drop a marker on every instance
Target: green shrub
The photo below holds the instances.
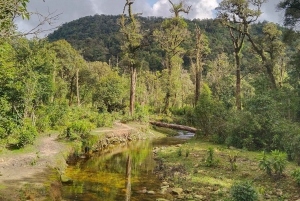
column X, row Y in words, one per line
column 209, row 114
column 276, row 162
column 232, row 160
column 296, row 175
column 27, row 135
column 179, row 152
column 78, row 129
column 105, row 120
column 279, row 160
column 243, row 191
column 210, row 159
column 265, row 163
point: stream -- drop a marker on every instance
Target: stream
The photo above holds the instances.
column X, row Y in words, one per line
column 121, row 173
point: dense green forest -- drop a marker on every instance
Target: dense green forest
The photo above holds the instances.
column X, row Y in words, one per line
column 233, row 78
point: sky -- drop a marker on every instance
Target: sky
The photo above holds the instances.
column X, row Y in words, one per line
column 69, row 10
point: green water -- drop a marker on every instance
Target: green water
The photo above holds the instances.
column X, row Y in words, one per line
column 117, row 174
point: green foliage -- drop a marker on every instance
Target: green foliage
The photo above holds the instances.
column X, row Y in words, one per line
column 210, row 159
column 78, row 129
column 243, row 191
column 276, row 162
column 232, row 160
column 27, row 135
column 209, row 114
column 187, row 153
column 265, row 163
column 110, row 93
column 296, row 175
column 179, row 152
column 279, row 160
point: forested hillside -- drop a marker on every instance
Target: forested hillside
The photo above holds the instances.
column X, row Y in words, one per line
column 98, row 38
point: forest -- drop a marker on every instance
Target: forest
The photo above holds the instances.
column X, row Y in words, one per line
column 234, row 78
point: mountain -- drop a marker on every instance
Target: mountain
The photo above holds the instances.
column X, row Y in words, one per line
column 98, row 39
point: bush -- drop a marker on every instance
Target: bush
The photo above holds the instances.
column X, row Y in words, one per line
column 78, row 129
column 265, row 163
column 277, row 162
column 243, row 191
column 209, row 114
column 210, row 159
column 27, row 135
column 296, row 175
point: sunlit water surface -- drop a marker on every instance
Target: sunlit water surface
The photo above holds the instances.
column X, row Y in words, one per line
column 118, row 174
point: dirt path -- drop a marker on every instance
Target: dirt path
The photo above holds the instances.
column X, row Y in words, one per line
column 31, row 167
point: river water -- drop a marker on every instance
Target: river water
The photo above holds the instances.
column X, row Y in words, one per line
column 121, row 173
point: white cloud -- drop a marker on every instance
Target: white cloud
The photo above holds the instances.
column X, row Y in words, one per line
column 74, row 9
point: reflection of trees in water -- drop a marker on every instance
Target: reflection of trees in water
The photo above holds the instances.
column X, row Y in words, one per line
column 128, row 178
column 103, row 177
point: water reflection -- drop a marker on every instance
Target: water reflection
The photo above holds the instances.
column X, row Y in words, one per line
column 118, row 174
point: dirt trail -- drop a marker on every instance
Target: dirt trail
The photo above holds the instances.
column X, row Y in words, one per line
column 18, row 169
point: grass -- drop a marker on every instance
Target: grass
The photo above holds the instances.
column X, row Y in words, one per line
column 215, row 182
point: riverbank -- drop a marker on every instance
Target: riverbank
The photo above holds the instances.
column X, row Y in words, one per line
column 33, row 173
column 189, row 171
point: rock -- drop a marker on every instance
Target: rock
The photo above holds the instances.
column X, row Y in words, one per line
column 267, row 196
column 151, row 192
column 144, row 190
column 163, row 190
column 178, row 145
column 279, row 192
column 188, row 190
column 177, row 191
column 161, row 199
column 215, row 188
column 164, row 183
column 66, row 180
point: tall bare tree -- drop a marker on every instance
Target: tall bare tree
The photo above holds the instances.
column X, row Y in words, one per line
column 131, row 30
column 237, row 15
column 172, row 34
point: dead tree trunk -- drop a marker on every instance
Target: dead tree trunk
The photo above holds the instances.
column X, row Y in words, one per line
column 174, row 126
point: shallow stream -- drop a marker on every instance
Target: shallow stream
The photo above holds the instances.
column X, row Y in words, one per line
column 121, row 173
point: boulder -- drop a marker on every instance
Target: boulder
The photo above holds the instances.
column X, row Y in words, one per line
column 66, row 180
column 177, row 191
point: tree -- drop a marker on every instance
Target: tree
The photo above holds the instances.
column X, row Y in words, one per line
column 270, row 48
column 11, row 9
column 68, row 64
column 237, row 15
column 170, row 37
column 292, row 12
column 201, row 50
column 130, row 28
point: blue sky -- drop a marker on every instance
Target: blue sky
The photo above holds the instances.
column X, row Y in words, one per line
column 151, row 2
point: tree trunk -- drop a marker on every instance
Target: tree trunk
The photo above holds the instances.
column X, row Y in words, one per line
column 71, row 91
column 132, row 89
column 168, row 93
column 238, row 82
column 198, row 84
column 174, row 126
column 271, row 75
column 77, row 87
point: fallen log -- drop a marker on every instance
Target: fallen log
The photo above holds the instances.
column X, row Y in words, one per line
column 174, row 126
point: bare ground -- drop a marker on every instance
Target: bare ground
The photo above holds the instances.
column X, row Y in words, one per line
column 34, row 167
